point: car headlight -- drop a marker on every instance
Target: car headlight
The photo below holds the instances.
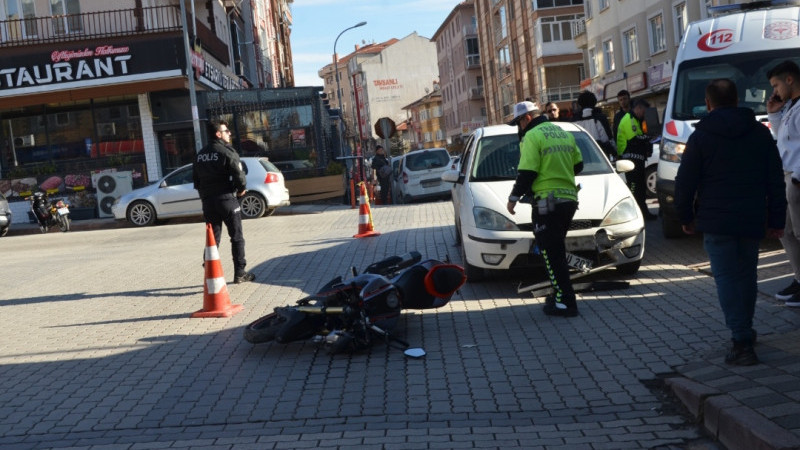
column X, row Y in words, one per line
column 622, row 212
column 671, row 150
column 492, row 220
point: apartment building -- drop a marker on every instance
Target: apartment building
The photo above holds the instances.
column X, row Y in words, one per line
column 383, row 84
column 89, row 86
column 426, row 121
column 632, row 44
column 460, row 74
column 528, row 52
column 342, row 95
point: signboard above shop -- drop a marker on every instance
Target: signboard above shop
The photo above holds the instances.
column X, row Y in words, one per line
column 77, row 65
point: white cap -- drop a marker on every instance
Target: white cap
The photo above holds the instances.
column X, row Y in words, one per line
column 522, row 108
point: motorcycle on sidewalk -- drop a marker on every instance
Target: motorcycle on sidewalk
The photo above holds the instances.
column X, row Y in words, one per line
column 350, row 315
column 49, row 213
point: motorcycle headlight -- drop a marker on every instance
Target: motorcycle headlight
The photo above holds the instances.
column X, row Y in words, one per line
column 671, row 151
column 492, row 220
column 622, row 212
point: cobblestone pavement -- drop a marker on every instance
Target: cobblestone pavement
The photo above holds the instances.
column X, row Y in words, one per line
column 97, row 349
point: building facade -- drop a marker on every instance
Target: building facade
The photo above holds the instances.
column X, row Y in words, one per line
column 528, row 52
column 632, row 45
column 343, row 95
column 89, row 86
column 426, row 121
column 460, row 75
column 390, row 80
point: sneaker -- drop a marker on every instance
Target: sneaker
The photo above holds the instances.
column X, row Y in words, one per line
column 789, row 291
column 793, row 301
column 559, row 309
column 244, row 278
column 741, row 355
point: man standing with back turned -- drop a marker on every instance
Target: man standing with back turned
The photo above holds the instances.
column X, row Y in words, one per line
column 548, row 162
column 218, row 177
column 784, row 118
column 729, row 180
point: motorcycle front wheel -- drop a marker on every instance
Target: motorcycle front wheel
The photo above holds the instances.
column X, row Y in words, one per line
column 264, row 329
column 63, row 223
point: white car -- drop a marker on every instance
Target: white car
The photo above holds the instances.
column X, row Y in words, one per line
column 175, row 196
column 607, row 230
column 419, row 175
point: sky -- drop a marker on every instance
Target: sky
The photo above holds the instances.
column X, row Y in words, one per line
column 316, row 23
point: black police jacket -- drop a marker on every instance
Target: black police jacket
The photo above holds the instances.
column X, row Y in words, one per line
column 217, row 170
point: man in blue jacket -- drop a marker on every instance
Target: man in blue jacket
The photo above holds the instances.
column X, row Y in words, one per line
column 731, row 179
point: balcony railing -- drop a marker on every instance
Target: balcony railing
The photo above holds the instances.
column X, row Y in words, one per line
column 473, row 61
column 72, row 27
column 578, row 27
column 476, row 93
column 561, row 93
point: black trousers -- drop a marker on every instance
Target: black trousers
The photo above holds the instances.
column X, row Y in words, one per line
column 637, row 183
column 386, row 187
column 550, row 230
column 226, row 209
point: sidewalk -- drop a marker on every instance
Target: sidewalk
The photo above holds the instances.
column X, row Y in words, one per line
column 756, row 407
column 23, row 228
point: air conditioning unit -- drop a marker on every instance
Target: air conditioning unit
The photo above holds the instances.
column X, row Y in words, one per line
column 106, row 129
column 24, row 141
column 111, row 186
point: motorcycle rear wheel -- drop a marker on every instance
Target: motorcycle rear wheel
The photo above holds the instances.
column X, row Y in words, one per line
column 264, row 329
column 63, row 223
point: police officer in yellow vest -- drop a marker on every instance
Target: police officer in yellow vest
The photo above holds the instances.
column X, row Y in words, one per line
column 634, row 145
column 549, row 160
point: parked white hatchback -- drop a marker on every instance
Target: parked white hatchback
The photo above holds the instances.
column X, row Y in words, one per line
column 174, row 195
column 606, row 231
column 419, row 175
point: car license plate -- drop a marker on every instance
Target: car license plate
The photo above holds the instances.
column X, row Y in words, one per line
column 63, row 211
column 431, row 183
column 575, row 261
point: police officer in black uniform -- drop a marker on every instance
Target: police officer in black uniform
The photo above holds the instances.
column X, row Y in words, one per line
column 218, row 177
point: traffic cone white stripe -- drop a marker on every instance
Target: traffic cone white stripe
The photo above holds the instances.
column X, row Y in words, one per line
column 211, row 253
column 363, row 219
column 215, row 285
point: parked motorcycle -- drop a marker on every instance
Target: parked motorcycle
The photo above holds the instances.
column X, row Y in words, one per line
column 350, row 315
column 48, row 212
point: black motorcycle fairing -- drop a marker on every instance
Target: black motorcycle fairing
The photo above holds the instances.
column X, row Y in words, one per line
column 392, row 264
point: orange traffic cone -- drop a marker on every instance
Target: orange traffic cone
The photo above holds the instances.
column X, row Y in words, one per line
column 216, row 301
column 365, row 228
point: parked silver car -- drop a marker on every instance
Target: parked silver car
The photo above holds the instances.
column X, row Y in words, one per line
column 175, row 195
column 5, row 215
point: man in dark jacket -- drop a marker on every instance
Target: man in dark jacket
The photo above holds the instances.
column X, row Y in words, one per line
column 731, row 179
column 384, row 176
column 218, row 177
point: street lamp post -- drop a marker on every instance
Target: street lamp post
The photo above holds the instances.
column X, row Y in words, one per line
column 338, row 91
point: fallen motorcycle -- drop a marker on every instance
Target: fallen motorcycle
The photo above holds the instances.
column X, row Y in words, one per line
column 49, row 213
column 352, row 314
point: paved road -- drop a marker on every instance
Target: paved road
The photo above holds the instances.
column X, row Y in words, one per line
column 97, row 349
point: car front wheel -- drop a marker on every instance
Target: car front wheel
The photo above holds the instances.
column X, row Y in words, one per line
column 253, row 205
column 650, row 181
column 141, row 214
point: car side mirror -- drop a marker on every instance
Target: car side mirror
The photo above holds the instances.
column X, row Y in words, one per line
column 451, row 176
column 163, row 184
column 624, row 165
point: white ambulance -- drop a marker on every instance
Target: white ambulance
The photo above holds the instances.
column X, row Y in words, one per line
column 742, row 42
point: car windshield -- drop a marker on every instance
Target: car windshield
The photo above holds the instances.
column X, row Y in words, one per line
column 747, row 70
column 427, row 160
column 497, row 157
